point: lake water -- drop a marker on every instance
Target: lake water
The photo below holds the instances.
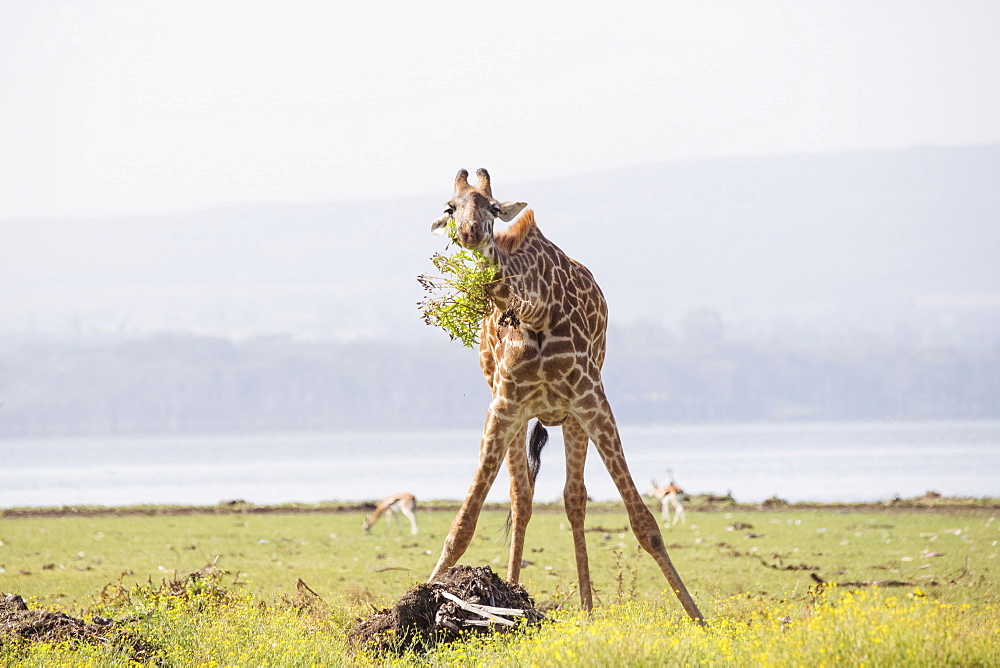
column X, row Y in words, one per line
column 836, row 461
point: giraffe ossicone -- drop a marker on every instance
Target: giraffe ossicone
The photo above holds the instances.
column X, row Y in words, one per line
column 545, row 364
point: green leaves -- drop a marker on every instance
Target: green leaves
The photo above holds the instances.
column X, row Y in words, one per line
column 459, row 295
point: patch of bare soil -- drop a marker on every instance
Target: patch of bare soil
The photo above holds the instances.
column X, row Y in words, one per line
column 19, row 624
column 465, row 600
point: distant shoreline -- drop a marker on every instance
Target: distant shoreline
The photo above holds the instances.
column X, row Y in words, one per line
column 703, row 503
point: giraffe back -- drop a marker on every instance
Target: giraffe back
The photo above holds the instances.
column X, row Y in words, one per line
column 547, row 332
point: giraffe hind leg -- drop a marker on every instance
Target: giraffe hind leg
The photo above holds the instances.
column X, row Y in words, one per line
column 522, row 492
column 539, row 438
column 575, row 501
column 602, row 430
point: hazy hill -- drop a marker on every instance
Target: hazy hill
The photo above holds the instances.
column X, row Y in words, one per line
column 861, row 285
column 814, row 246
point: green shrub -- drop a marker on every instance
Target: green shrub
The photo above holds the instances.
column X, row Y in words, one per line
column 459, row 295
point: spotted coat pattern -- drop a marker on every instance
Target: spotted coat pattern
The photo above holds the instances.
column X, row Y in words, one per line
column 541, row 351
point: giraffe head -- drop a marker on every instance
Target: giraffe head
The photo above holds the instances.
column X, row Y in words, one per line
column 474, row 211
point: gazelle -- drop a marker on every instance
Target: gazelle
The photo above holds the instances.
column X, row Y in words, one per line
column 670, row 496
column 403, row 502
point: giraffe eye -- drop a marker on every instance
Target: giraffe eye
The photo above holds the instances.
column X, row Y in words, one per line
column 449, row 210
column 494, row 210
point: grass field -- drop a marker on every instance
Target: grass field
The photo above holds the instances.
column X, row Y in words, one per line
column 920, row 586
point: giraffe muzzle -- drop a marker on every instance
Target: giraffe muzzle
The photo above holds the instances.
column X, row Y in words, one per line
column 468, row 235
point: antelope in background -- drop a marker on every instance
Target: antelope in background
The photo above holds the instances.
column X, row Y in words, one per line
column 403, row 502
column 670, row 496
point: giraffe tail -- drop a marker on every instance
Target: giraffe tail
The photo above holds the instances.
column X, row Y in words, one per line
column 538, row 440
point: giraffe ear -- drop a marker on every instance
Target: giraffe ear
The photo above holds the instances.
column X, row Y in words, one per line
column 508, row 210
column 440, row 224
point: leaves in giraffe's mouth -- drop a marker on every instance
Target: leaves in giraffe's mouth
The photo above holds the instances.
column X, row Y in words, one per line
column 458, row 295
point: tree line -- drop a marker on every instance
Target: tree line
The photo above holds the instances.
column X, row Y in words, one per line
column 175, row 383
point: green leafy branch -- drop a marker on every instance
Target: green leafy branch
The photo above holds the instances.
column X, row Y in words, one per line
column 459, row 297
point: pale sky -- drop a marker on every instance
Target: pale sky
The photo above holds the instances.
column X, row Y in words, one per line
column 142, row 107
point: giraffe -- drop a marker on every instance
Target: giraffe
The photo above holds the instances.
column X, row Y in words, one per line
column 541, row 351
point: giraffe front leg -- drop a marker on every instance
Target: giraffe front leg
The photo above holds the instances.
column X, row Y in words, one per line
column 491, row 453
column 598, row 421
column 522, row 492
column 575, row 501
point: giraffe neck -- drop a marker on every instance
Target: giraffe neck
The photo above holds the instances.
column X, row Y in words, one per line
column 492, row 252
column 519, row 266
column 502, row 289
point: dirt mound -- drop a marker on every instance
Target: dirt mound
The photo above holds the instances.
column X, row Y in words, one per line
column 465, row 600
column 18, row 623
